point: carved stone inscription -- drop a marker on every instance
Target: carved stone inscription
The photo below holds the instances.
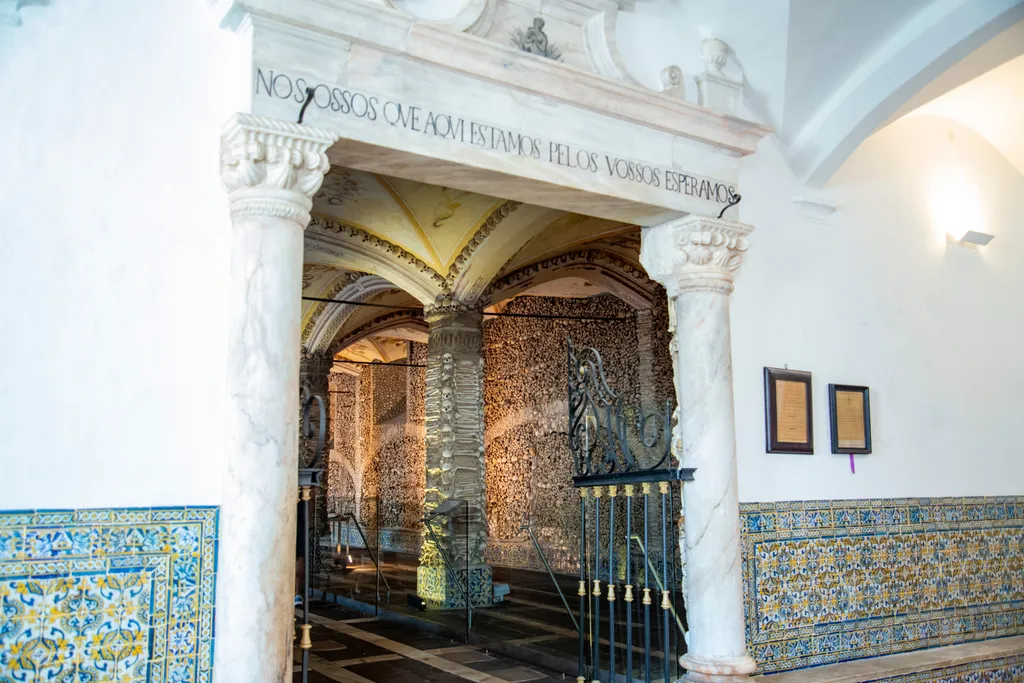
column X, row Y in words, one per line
column 419, row 120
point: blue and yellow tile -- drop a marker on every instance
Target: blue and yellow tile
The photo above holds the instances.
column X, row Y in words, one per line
column 107, row 594
column 829, row 581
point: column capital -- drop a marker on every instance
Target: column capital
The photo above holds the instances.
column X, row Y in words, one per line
column 454, row 326
column 694, row 253
column 447, row 310
column 271, row 167
column 315, row 363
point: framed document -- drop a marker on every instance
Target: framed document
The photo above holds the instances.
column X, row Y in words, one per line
column 787, row 404
column 850, row 417
column 788, row 425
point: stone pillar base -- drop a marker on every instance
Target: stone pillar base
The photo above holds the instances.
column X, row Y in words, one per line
column 694, row 677
column 717, row 669
column 434, row 584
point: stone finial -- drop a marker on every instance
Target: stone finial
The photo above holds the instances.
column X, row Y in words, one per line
column 672, row 81
column 273, row 168
column 715, row 54
column 694, row 253
column 716, row 90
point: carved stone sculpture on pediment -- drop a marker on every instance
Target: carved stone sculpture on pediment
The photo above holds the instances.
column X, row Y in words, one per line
column 580, row 33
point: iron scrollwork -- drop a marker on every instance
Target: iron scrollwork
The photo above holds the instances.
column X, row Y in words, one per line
column 310, row 475
column 307, row 398
column 610, row 442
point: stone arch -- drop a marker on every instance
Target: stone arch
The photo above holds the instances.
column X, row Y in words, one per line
column 383, row 323
column 332, row 317
column 606, row 271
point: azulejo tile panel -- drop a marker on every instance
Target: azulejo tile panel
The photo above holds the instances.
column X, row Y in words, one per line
column 829, row 581
column 122, row 595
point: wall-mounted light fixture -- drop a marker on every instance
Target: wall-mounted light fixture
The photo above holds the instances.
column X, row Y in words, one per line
column 957, row 209
column 972, row 238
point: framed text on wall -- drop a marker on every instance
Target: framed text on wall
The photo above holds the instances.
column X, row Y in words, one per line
column 789, row 425
column 849, row 410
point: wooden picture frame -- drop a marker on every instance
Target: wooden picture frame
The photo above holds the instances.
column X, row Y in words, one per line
column 849, row 409
column 789, row 415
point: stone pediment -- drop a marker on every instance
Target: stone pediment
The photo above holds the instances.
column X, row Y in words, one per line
column 423, row 101
column 580, row 34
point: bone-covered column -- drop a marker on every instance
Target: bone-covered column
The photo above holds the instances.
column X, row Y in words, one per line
column 271, row 170
column 455, row 455
column 695, row 258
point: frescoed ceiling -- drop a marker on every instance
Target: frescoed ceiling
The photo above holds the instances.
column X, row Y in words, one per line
column 433, row 223
column 400, row 244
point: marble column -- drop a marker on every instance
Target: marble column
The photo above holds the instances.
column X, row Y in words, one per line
column 271, row 170
column 454, row 408
column 695, row 259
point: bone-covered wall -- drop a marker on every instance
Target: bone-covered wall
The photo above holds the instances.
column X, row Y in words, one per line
column 529, row 467
column 528, row 464
column 378, row 418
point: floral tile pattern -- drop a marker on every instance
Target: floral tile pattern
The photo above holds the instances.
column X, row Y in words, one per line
column 123, row 595
column 829, row 581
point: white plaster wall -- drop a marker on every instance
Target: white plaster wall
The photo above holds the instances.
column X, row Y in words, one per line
column 115, row 260
column 656, row 33
column 874, row 296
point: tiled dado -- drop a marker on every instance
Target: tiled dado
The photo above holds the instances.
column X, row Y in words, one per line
column 830, row 581
column 120, row 594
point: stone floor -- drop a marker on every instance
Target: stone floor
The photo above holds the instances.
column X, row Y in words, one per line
column 353, row 648
column 531, row 625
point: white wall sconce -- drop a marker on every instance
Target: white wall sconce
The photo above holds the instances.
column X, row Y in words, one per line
column 957, row 208
column 971, row 239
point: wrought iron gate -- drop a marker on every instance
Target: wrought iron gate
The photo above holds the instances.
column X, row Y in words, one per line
column 622, row 454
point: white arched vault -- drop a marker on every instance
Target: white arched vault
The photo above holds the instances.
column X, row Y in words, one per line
column 927, row 45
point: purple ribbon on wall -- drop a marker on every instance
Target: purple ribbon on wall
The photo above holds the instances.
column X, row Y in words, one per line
column 853, row 469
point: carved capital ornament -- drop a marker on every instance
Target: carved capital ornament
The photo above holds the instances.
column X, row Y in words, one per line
column 695, row 253
column 273, row 168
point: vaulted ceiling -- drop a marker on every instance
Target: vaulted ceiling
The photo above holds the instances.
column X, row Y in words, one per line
column 398, row 244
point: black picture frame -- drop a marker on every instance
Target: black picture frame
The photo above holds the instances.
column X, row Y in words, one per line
column 833, row 419
column 773, row 444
